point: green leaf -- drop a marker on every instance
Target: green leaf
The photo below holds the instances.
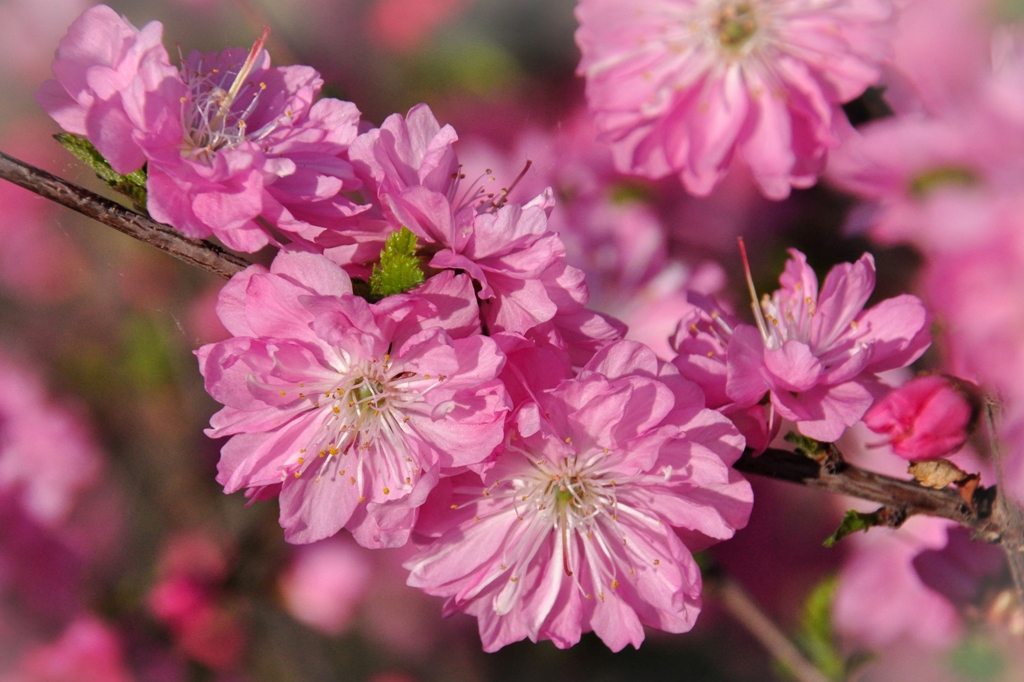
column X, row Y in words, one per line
column 132, row 185
column 816, row 636
column 804, row 445
column 854, row 521
column 399, row 269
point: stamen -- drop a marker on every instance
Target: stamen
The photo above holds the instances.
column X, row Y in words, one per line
column 758, row 315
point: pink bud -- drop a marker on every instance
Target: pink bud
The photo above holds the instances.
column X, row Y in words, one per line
column 927, row 418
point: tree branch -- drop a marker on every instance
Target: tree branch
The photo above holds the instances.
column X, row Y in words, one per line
column 992, row 517
column 745, row 610
column 202, row 254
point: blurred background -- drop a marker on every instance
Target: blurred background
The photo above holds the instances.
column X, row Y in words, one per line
column 121, row 558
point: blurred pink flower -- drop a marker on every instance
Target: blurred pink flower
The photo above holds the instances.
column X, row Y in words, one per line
column 926, row 418
column 402, row 25
column 187, row 599
column 28, row 29
column 325, row 582
column 685, row 86
column 87, row 651
column 939, row 48
column 881, row 599
column 226, row 140
column 571, row 530
column 32, row 429
column 340, row 402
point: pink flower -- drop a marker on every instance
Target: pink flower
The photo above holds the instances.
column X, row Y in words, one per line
column 684, row 86
column 818, row 354
column 325, row 582
column 701, row 341
column 571, row 529
column 88, row 651
column 881, row 599
column 227, row 140
column 927, row 418
column 32, row 429
column 508, row 248
column 351, row 410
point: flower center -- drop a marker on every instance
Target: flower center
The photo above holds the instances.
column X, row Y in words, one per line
column 218, row 105
column 735, row 23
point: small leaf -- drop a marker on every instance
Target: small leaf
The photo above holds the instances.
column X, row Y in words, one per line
column 804, row 445
column 816, row 636
column 854, row 521
column 399, row 269
column 132, row 185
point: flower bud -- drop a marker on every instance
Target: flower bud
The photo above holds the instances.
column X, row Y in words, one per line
column 926, row 418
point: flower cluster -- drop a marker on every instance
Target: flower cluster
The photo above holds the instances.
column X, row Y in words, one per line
column 418, row 362
column 814, row 355
column 231, row 145
column 686, row 86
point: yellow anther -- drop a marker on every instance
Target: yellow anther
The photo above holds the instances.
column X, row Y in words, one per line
column 513, row 579
column 283, row 393
column 297, row 474
column 615, row 584
column 657, row 562
column 336, row 409
column 455, row 506
column 568, row 439
column 352, row 480
column 426, row 376
column 387, row 491
column 361, row 498
column 301, row 460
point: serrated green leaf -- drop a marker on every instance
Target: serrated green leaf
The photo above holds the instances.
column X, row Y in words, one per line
column 399, row 269
column 816, row 636
column 132, row 185
column 853, row 521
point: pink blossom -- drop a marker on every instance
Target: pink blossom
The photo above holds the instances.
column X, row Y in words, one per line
column 818, row 354
column 88, row 651
column 881, row 599
column 324, row 582
column 701, row 341
column 507, row 247
column 571, row 529
column 32, row 429
column 337, row 402
column 226, row 140
column 927, row 418
column 684, row 86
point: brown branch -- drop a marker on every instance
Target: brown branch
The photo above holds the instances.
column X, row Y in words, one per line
column 202, row 254
column 992, row 518
column 745, row 610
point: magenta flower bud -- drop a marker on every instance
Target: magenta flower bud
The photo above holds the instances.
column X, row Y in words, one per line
column 927, row 418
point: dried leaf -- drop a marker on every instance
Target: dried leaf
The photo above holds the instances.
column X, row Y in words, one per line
column 936, row 473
